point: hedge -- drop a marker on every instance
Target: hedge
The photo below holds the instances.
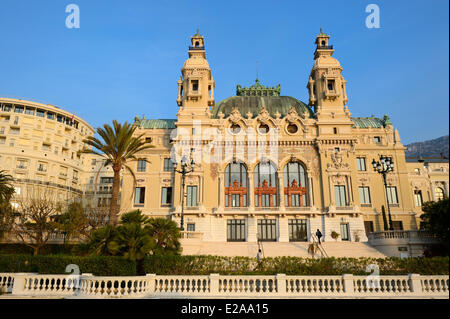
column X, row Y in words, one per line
column 56, row 264
column 205, row 265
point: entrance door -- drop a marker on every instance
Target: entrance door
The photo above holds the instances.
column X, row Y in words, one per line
column 345, row 232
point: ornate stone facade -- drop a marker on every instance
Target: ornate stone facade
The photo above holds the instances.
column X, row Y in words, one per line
column 271, row 167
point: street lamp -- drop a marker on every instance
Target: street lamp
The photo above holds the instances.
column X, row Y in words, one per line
column 384, row 166
column 186, row 168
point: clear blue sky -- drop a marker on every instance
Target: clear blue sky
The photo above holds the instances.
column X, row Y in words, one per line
column 126, row 57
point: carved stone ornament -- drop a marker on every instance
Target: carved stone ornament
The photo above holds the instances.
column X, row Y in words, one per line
column 338, row 179
column 214, row 170
column 235, row 116
column 337, row 161
column 264, row 116
column 292, row 115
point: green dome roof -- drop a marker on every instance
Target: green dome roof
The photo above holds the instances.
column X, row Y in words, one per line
column 254, row 104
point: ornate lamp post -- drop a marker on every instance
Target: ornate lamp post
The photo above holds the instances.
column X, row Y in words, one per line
column 186, row 168
column 384, row 166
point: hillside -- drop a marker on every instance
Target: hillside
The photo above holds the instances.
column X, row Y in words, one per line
column 431, row 148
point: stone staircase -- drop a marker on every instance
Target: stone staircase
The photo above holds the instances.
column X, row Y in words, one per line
column 273, row 249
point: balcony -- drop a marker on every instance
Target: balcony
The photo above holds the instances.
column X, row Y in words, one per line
column 393, row 242
column 325, row 47
column 196, row 48
column 191, row 235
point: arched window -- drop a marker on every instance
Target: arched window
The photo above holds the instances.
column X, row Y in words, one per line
column 439, row 193
column 236, row 185
column 266, row 185
column 294, row 185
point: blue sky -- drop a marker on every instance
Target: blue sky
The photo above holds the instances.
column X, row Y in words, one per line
column 126, row 56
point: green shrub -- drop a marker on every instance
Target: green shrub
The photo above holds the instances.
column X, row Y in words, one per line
column 204, row 265
column 55, row 264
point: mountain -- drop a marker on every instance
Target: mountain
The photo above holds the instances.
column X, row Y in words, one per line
column 431, row 148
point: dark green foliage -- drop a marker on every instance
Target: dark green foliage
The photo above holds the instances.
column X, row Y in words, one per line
column 204, row 265
column 435, row 219
column 97, row 265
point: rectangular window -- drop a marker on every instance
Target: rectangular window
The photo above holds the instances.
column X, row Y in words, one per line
column 2, row 130
column 377, row 139
column 29, row 111
column 16, row 120
column 364, row 195
column 190, row 227
column 194, row 85
column 392, row 195
column 330, row 85
column 22, row 164
column 166, row 196
column 341, row 199
column 59, row 118
column 168, row 165
column 106, row 180
column 139, row 196
column 18, row 109
column 418, row 198
column 40, row 113
column 236, row 230
column 191, row 196
column 141, row 165
column 236, row 200
column 295, row 200
column 297, row 230
column 361, row 163
column 397, row 225
column 267, row 230
column 50, row 116
column 368, row 226
column 345, row 232
column 42, row 167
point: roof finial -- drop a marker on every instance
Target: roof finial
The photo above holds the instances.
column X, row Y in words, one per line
column 321, row 30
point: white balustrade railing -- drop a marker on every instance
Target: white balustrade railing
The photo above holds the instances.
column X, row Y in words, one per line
column 98, row 287
column 223, row 286
column 314, row 285
column 6, row 283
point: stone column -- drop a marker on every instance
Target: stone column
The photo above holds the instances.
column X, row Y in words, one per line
column 221, row 192
column 349, row 288
column 283, row 229
column 446, row 189
column 214, row 284
column 281, row 284
column 281, row 190
column 252, row 230
column 416, row 286
column 310, row 191
column 250, row 187
column 433, row 195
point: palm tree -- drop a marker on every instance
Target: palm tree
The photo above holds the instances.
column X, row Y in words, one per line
column 166, row 234
column 118, row 146
column 6, row 189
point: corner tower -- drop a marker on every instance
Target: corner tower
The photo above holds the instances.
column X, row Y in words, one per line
column 326, row 85
column 196, row 84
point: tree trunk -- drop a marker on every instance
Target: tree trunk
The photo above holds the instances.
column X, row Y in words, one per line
column 114, row 208
column 36, row 250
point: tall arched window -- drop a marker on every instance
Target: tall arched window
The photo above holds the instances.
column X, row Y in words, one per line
column 236, row 185
column 439, row 193
column 266, row 185
column 294, row 185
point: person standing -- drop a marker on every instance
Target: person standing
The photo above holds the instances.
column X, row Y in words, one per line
column 319, row 235
column 258, row 259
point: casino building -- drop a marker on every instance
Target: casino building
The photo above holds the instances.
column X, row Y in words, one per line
column 272, row 167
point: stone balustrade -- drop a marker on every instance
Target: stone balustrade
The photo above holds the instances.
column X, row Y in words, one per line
column 224, row 286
